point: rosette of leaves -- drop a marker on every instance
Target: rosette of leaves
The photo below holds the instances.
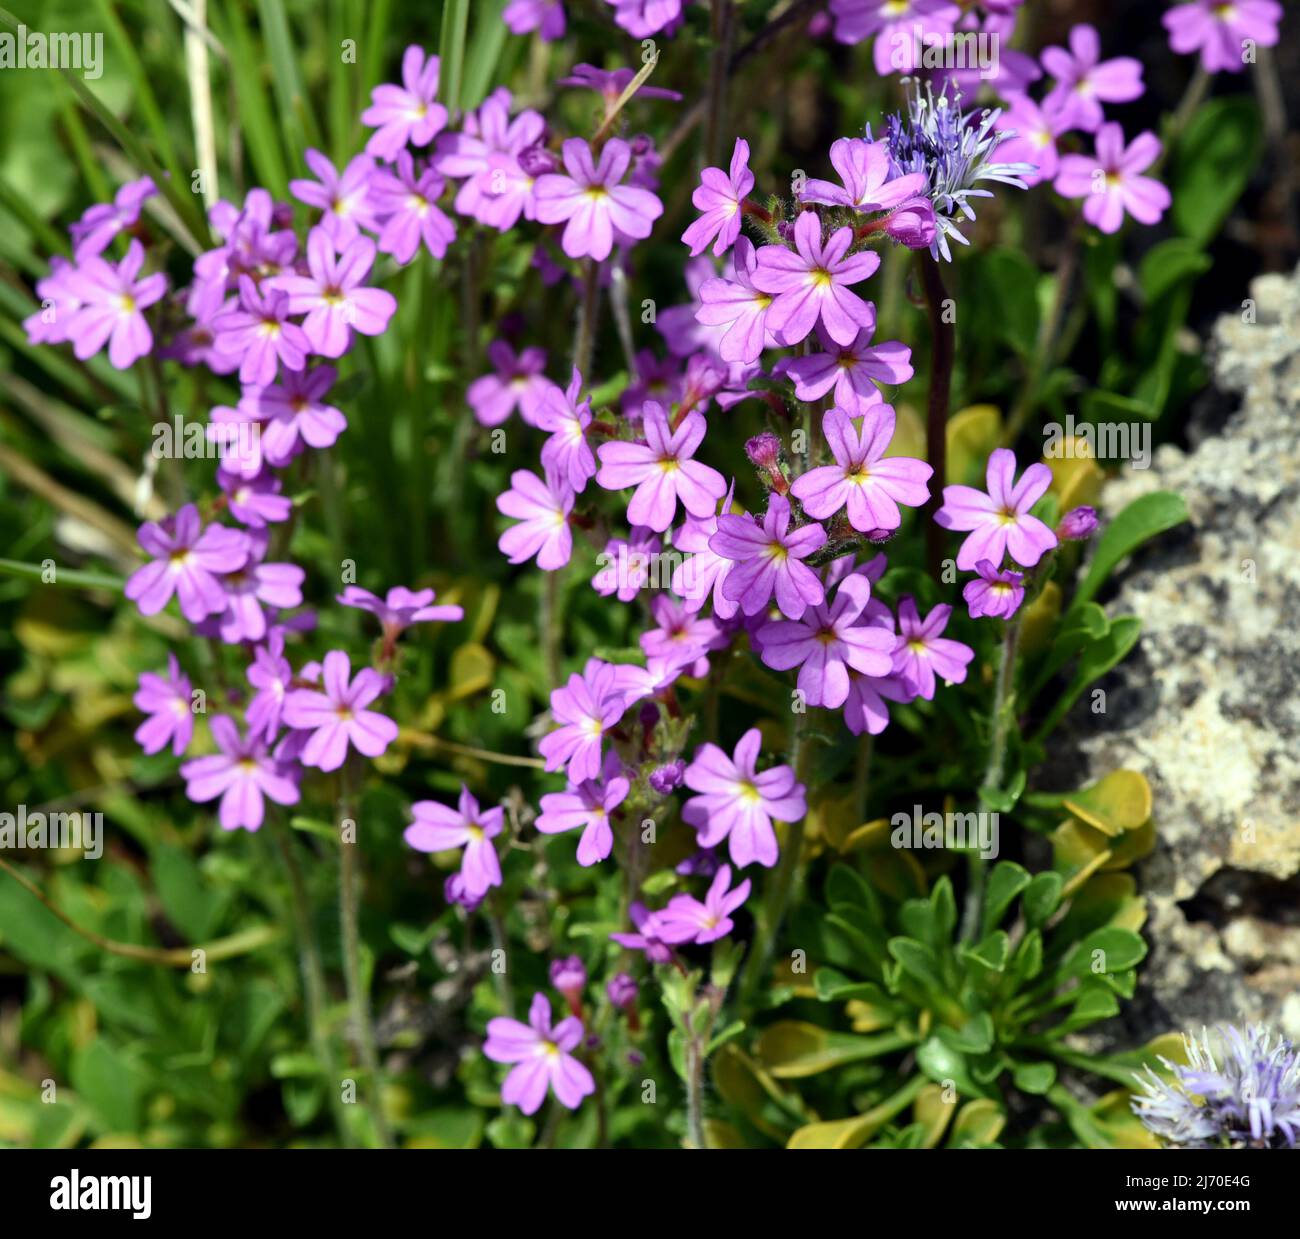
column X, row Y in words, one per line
column 968, row 1039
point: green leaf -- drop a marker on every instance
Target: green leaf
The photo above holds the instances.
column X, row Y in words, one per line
column 1034, row 1078
column 1041, row 898
column 1095, row 661
column 110, row 1084
column 991, row 953
column 1005, row 882
column 1213, row 163
column 1141, row 520
column 1107, row 950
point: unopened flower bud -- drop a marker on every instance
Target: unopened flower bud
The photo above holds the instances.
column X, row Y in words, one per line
column 1077, row 524
column 667, row 778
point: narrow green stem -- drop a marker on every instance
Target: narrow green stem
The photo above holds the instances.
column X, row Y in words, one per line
column 549, row 622
column 695, row 1095
column 1003, row 710
column 719, row 64
column 782, row 882
column 942, row 349
column 862, row 776
column 1048, row 334
column 584, row 340
column 358, row 998
column 313, row 984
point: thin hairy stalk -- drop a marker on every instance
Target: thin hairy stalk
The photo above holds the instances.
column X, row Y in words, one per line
column 942, row 347
column 781, row 883
column 1048, row 334
column 172, row 957
column 1003, row 710
column 313, row 984
column 358, row 998
column 430, row 743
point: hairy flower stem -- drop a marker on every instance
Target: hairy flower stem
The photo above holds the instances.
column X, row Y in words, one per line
column 942, row 346
column 695, row 1095
column 313, row 984
column 549, row 622
column 719, row 64
column 505, row 995
column 1003, row 711
column 584, row 340
column 862, row 775
column 358, row 999
column 781, row 884
column 1048, row 333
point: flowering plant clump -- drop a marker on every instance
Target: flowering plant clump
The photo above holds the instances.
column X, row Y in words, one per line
column 588, row 676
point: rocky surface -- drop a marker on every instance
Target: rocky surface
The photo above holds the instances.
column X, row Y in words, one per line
column 1208, row 705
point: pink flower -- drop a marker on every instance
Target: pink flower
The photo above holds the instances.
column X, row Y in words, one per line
column 1220, row 31
column 704, row 574
column 826, row 642
column 110, row 304
column 272, row 676
column 587, row 806
column 999, row 521
column 862, row 478
column 171, row 712
column 345, row 198
column 738, row 804
column 544, row 16
column 1111, row 184
column 626, row 564
column 895, row 24
column 567, row 454
column 998, row 594
column 187, row 560
column 338, row 716
column 1084, row 81
column 241, row 774
column 680, row 636
column 440, row 828
column 253, row 585
column 1034, row 143
column 94, row 232
column 768, row 556
column 737, row 305
column 519, row 383
column 401, row 608
column 406, row 113
column 811, row 282
column 646, row 938
column 853, row 370
column 407, row 205
column 686, row 919
column 864, row 168
column 585, row 708
column 542, row 508
column 49, row 325
column 542, row 1056
column 294, row 414
column 662, row 470
column 486, row 154
column 596, row 209
column 256, row 501
column 333, row 297
column 920, row 652
column 720, row 196
column 259, row 333
column 643, row 18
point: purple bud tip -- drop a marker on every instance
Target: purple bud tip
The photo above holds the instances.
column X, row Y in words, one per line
column 667, row 778
column 568, row 974
column 878, row 536
column 649, row 715
column 1077, row 524
column 537, row 160
column 764, row 450
column 454, row 891
column 622, row 990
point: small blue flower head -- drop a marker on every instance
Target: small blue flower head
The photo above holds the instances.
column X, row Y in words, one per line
column 1237, row 1090
column 954, row 149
